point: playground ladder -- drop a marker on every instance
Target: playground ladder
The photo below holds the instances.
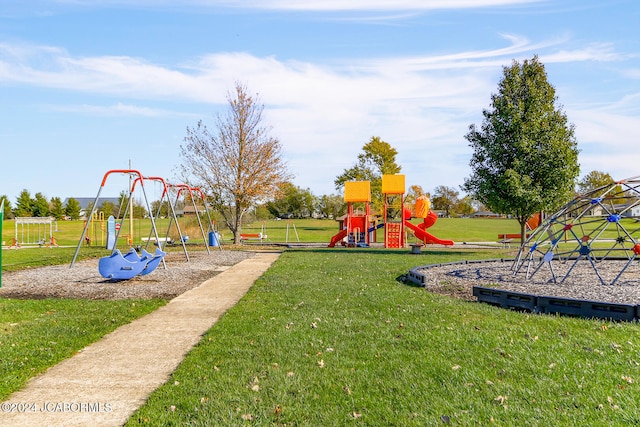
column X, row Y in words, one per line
column 393, row 235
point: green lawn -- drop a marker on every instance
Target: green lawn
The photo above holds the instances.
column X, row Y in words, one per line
column 330, row 337
column 304, row 230
column 37, row 334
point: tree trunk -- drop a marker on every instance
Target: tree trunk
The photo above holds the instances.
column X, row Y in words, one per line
column 523, row 231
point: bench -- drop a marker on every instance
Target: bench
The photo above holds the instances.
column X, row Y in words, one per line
column 510, row 236
column 252, row 236
column 506, row 238
column 168, row 240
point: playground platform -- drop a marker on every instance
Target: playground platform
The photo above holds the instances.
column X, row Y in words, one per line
column 106, row 382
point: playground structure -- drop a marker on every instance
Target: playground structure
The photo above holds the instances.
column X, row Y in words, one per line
column 193, row 193
column 356, row 227
column 594, row 227
column 33, row 231
column 359, row 226
column 121, row 267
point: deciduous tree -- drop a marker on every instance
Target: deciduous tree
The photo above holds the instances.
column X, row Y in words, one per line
column 377, row 158
column 295, row 201
column 332, row 206
column 444, row 199
column 525, row 156
column 593, row 181
column 239, row 164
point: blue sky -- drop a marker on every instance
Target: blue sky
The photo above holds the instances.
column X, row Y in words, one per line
column 88, row 85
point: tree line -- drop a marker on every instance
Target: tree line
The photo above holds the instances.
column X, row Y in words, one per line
column 524, row 161
column 40, row 206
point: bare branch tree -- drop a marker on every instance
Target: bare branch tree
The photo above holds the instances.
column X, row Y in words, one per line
column 239, row 164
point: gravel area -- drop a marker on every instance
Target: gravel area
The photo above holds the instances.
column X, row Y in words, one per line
column 582, row 283
column 83, row 280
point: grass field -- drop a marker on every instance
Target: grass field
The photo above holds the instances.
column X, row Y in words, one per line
column 332, row 337
column 67, row 233
column 37, row 334
column 304, row 230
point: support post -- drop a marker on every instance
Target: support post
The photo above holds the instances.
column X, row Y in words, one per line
column 1, row 221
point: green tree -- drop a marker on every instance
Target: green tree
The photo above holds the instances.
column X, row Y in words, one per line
column 56, row 208
column 293, row 201
column 595, row 180
column 24, row 204
column 464, row 206
column 72, row 209
column 377, row 158
column 162, row 206
column 239, row 164
column 444, row 199
column 108, row 208
column 40, row 206
column 332, row 206
column 525, row 156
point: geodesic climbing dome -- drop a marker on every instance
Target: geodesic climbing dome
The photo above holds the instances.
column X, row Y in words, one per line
column 601, row 225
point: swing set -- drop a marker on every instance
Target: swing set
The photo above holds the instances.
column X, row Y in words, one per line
column 33, row 231
column 121, row 267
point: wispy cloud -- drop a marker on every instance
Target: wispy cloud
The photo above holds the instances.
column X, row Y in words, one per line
column 119, row 109
column 422, row 105
column 310, row 5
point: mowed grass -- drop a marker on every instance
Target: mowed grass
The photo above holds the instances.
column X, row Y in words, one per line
column 37, row 334
column 284, row 231
column 460, row 230
column 332, row 338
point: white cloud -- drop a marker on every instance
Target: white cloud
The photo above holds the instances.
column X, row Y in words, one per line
column 119, row 109
column 309, row 5
column 324, row 113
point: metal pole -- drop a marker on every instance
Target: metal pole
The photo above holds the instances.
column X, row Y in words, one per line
column 1, row 221
column 131, row 207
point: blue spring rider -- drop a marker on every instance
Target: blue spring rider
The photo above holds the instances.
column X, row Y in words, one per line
column 124, row 267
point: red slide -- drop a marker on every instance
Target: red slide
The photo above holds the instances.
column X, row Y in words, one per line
column 335, row 239
column 426, row 237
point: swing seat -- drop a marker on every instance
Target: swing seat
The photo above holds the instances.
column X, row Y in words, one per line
column 152, row 260
column 117, row 267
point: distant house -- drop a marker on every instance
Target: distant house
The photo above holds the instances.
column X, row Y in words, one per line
column 189, row 210
column 485, row 214
column 629, row 210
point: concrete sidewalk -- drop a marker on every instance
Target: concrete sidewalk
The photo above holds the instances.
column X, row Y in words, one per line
column 107, row 381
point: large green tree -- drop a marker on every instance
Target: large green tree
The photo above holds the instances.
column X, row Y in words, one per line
column 331, row 205
column 595, row 180
column 525, row 156
column 293, row 201
column 56, row 208
column 40, row 205
column 377, row 158
column 24, row 204
column 600, row 184
column 72, row 208
column 239, row 164
column 444, row 199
